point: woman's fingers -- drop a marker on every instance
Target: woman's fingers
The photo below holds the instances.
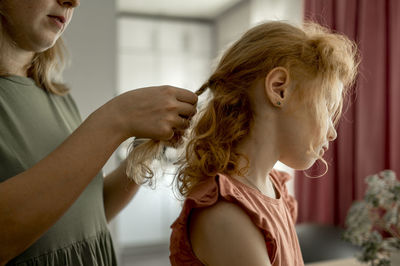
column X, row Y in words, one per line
column 186, row 96
column 184, row 123
column 152, row 112
column 186, row 110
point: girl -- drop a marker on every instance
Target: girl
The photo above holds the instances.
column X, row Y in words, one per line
column 277, row 94
column 54, row 206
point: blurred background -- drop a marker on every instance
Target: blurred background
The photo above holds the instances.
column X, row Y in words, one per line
column 121, row 45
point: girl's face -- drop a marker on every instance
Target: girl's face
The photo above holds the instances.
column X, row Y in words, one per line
column 35, row 25
column 303, row 130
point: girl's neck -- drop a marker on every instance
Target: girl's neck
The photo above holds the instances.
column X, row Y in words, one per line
column 13, row 59
column 262, row 156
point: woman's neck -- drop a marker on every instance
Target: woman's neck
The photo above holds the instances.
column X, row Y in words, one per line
column 13, row 59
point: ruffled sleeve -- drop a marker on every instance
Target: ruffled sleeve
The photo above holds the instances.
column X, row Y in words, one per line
column 181, row 253
column 280, row 179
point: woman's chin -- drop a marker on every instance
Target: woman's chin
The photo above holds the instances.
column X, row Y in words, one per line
column 40, row 42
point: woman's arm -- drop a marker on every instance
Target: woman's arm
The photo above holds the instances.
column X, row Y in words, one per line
column 118, row 191
column 32, row 201
column 224, row 235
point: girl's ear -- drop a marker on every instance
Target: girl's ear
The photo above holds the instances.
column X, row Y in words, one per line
column 276, row 86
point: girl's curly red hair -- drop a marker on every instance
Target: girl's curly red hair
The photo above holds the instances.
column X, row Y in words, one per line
column 310, row 54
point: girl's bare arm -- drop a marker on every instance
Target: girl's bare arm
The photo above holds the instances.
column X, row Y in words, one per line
column 223, row 235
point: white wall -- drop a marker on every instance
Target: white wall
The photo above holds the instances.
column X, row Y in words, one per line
column 91, row 41
column 289, row 10
column 163, row 51
column 231, row 24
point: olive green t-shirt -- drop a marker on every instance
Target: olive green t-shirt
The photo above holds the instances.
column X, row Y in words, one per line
column 32, row 124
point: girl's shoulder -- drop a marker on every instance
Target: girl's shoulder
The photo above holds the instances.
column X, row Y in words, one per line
column 225, row 188
column 255, row 204
column 218, row 207
column 214, row 230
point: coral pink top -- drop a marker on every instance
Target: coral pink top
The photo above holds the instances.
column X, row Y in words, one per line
column 274, row 217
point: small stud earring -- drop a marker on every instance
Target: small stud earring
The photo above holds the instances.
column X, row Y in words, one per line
column 278, row 103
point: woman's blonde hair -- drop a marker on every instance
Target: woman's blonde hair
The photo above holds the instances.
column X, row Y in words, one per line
column 312, row 55
column 46, row 67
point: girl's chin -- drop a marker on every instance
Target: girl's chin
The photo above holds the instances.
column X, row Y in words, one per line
column 302, row 165
column 308, row 165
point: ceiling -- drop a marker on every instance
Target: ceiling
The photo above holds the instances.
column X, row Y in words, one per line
column 200, row 9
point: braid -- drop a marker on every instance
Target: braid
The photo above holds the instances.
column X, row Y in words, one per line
column 203, row 88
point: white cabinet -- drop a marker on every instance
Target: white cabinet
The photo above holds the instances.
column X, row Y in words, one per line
column 158, row 52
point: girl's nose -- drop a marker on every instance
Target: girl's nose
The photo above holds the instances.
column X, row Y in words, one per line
column 332, row 134
column 69, row 3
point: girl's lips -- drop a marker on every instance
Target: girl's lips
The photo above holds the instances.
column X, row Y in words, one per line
column 323, row 150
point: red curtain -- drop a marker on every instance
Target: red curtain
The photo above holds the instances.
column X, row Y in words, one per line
column 369, row 133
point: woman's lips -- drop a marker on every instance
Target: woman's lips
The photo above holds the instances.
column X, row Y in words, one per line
column 58, row 20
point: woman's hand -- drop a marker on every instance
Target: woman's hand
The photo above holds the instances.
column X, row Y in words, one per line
column 153, row 112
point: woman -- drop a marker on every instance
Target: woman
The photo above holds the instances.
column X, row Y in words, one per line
column 54, row 206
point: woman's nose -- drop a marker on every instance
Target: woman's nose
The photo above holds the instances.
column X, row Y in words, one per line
column 69, row 3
